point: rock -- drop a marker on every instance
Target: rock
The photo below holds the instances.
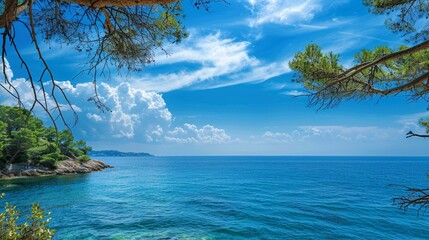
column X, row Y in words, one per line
column 64, row 167
column 42, row 172
column 26, row 173
column 82, row 170
column 59, row 172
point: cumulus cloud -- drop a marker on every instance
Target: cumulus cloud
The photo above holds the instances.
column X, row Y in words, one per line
column 283, row 12
column 136, row 115
column 190, row 133
column 216, row 61
column 4, row 65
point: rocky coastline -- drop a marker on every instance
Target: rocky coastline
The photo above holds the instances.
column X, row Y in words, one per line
column 66, row 167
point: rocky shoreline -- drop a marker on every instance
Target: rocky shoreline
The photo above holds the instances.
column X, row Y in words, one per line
column 65, row 167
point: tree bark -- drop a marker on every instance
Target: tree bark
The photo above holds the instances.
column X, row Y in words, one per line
column 348, row 74
column 11, row 11
column 118, row 3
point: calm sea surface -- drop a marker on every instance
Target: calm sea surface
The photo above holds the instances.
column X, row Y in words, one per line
column 231, row 198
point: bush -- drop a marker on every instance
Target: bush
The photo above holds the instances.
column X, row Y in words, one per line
column 36, row 226
column 35, row 153
column 83, row 158
column 48, row 161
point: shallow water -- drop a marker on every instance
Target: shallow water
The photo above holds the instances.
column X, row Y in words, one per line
column 231, row 198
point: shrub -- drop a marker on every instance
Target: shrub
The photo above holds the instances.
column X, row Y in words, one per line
column 48, row 161
column 36, row 226
column 83, row 158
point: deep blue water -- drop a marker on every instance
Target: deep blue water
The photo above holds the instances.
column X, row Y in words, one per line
column 231, row 198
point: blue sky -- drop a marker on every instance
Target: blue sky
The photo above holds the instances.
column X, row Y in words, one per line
column 227, row 89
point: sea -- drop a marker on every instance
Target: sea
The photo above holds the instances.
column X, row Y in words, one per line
column 231, row 198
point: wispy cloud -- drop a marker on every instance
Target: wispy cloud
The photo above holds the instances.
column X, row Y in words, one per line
column 332, row 133
column 294, row 93
column 410, row 122
column 368, row 37
column 217, row 61
column 283, row 12
column 412, row 117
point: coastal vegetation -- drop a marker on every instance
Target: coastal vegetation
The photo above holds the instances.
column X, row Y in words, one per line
column 36, row 226
column 126, row 35
column 24, row 139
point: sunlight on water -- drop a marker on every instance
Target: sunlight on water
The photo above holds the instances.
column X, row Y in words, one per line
column 231, row 198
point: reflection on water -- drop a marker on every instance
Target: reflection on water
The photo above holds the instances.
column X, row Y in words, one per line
column 230, row 198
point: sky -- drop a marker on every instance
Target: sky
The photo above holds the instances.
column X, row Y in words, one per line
column 227, row 89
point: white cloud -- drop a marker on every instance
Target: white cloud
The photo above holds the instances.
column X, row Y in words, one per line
column 294, row 93
column 414, row 118
column 216, row 62
column 410, row 122
column 412, row 126
column 94, row 117
column 332, row 133
column 255, row 75
column 136, row 115
column 190, row 133
column 283, row 12
column 278, row 137
column 5, row 69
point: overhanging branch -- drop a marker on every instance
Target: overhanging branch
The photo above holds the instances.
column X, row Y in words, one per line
column 351, row 72
column 12, row 10
column 118, row 3
column 412, row 134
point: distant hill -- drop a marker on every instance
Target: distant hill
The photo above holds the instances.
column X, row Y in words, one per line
column 114, row 153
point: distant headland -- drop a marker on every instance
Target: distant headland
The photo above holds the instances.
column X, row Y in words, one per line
column 114, row 153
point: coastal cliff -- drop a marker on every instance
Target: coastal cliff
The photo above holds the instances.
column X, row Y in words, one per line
column 65, row 167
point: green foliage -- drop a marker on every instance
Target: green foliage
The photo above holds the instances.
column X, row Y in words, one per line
column 404, row 16
column 424, row 123
column 315, row 68
column 378, row 72
column 35, row 228
column 48, row 161
column 23, row 138
column 83, row 158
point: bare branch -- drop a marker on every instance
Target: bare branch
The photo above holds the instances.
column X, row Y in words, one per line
column 412, row 134
column 416, row 197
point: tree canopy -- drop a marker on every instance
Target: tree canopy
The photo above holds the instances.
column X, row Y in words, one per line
column 114, row 34
column 23, row 138
column 379, row 72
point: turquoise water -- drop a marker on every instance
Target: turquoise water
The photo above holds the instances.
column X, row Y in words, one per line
column 231, row 198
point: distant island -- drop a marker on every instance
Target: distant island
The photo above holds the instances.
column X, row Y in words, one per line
column 114, row 153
